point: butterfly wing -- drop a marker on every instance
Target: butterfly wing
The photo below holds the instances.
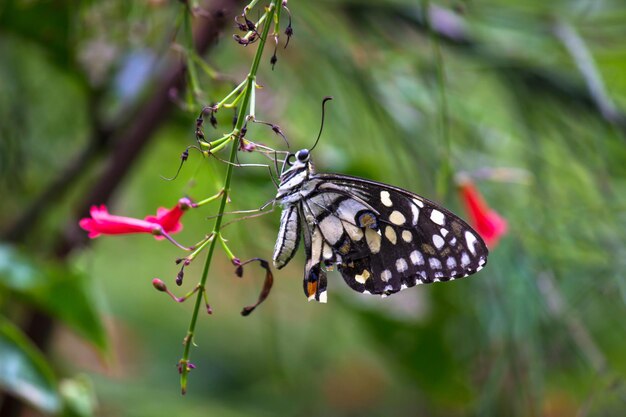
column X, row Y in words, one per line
column 385, row 239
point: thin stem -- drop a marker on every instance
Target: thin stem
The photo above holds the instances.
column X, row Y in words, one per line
column 231, row 94
column 221, row 146
column 173, row 241
column 208, row 70
column 191, row 69
column 277, row 21
column 210, row 199
column 250, row 6
column 252, row 101
column 230, row 254
column 200, row 247
column 234, row 102
column 241, row 117
column 216, row 142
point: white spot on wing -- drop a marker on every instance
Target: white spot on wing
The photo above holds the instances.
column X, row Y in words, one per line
column 401, row 265
column 465, row 260
column 418, row 202
column 362, row 277
column 417, row 258
column 391, row 234
column 434, row 263
column 444, row 232
column 385, row 198
column 327, row 252
column 323, row 297
column 438, row 241
column 385, row 275
column 416, row 213
column 317, row 244
column 354, row 232
column 331, row 228
column 373, row 240
column 397, row 218
column 437, row 217
column 407, row 236
column 451, row 263
column 471, row 241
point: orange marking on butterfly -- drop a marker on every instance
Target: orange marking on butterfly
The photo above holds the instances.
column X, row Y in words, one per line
column 311, row 288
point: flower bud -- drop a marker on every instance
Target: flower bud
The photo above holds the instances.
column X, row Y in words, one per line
column 159, row 285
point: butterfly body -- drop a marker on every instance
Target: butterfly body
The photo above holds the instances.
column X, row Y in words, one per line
column 381, row 238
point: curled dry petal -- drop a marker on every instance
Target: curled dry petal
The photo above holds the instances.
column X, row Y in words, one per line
column 267, row 284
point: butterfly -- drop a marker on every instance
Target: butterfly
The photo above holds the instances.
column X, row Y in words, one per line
column 381, row 238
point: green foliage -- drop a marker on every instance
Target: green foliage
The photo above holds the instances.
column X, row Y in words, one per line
column 55, row 289
column 24, row 371
column 487, row 86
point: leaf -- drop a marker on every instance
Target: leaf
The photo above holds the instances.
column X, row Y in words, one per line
column 79, row 397
column 56, row 290
column 24, row 371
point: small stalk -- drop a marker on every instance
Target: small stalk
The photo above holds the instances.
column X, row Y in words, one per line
column 191, row 69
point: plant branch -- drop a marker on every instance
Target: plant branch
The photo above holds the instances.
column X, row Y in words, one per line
column 246, row 104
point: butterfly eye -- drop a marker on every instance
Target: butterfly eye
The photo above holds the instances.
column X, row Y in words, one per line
column 290, row 159
column 302, row 155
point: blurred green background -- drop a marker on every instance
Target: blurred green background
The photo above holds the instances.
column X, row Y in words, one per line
column 525, row 96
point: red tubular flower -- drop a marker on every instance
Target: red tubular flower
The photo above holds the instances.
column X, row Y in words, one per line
column 170, row 219
column 489, row 224
column 103, row 223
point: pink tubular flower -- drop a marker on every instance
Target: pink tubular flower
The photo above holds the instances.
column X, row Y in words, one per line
column 165, row 222
column 489, row 224
column 170, row 219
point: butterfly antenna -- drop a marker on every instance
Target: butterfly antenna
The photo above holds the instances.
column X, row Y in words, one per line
column 327, row 98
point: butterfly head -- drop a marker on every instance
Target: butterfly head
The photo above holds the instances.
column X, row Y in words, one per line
column 297, row 170
column 301, row 157
column 296, row 163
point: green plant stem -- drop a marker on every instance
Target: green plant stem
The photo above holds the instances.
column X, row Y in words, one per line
column 189, row 48
column 236, row 90
column 241, row 118
column 250, row 5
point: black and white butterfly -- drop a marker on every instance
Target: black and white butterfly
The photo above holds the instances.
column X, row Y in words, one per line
column 382, row 239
